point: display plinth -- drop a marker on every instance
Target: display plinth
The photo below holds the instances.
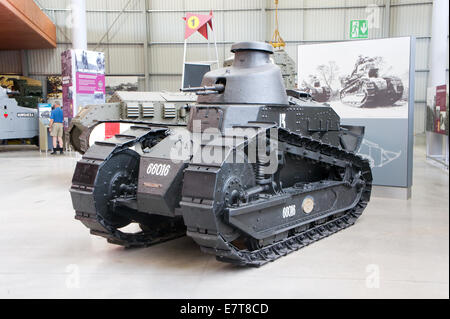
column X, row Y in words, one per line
column 437, row 150
column 392, row 192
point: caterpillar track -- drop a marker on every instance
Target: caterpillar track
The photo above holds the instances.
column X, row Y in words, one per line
column 93, row 219
column 373, row 92
column 312, row 229
column 94, row 211
column 364, row 96
column 80, row 136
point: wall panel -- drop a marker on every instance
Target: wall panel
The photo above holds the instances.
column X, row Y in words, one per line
column 126, row 59
column 325, row 25
column 411, row 20
column 10, row 62
column 165, row 83
column 46, row 61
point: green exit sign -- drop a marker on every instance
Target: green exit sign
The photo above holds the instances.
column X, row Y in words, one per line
column 359, row 29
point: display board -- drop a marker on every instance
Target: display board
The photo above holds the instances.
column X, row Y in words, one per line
column 371, row 83
column 45, row 110
column 83, row 80
column 437, row 110
column 45, row 140
column 193, row 74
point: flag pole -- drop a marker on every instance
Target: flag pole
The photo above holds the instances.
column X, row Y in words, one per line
column 208, row 48
column 184, row 64
column 215, row 43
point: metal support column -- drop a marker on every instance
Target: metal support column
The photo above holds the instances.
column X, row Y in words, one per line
column 387, row 19
column 263, row 21
column 146, row 55
column 79, row 33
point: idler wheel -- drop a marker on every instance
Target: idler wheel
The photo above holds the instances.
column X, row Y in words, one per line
column 120, row 170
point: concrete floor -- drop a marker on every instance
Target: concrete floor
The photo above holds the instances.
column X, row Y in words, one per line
column 397, row 249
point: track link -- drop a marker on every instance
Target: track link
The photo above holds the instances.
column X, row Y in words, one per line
column 369, row 100
column 99, row 227
column 83, row 199
column 79, row 135
column 227, row 252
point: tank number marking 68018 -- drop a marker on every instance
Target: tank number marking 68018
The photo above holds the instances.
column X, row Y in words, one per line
column 158, row 169
column 288, row 211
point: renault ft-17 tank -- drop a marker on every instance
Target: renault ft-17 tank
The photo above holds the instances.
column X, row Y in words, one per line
column 257, row 173
column 318, row 92
column 365, row 88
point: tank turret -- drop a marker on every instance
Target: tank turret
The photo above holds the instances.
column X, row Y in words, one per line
column 252, row 78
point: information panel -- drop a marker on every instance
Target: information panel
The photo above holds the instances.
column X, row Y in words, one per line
column 437, row 110
column 83, row 80
column 369, row 83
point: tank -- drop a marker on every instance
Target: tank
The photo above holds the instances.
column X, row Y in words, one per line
column 27, row 92
column 288, row 68
column 258, row 172
column 317, row 91
column 129, row 108
column 17, row 122
column 365, row 88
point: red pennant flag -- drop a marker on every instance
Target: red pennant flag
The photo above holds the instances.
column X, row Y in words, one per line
column 197, row 22
column 210, row 20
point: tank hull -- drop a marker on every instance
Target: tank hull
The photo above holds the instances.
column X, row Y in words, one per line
column 321, row 95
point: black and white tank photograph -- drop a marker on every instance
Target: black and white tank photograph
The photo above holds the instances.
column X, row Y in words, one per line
column 370, row 78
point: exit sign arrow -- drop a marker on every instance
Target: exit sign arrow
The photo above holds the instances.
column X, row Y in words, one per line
column 364, row 28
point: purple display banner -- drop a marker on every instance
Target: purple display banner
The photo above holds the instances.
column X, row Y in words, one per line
column 88, row 83
column 83, row 81
column 66, row 76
